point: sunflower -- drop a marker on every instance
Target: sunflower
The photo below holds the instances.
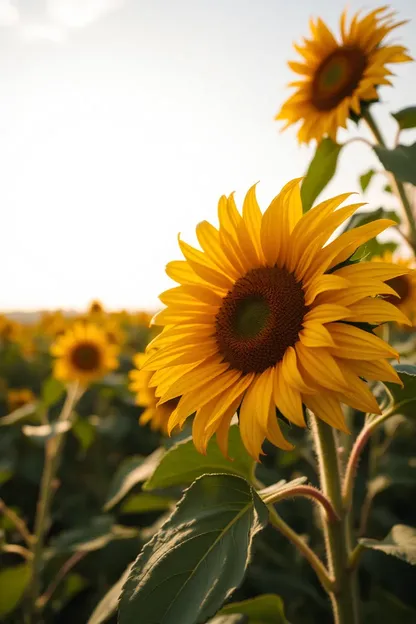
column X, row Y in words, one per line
column 19, row 397
column 83, row 354
column 403, row 285
column 156, row 416
column 267, row 315
column 338, row 76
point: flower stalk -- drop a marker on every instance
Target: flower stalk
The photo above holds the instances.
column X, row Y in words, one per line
column 399, row 186
column 344, row 595
column 53, row 451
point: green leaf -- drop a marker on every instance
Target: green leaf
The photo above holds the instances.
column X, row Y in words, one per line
column 132, row 471
column 266, row 609
column 85, row 432
column 182, row 463
column 143, row 503
column 406, row 118
column 98, row 533
column 401, row 161
column 52, row 391
column 374, row 247
column 362, row 218
column 400, row 542
column 109, row 603
column 365, row 179
column 198, row 557
column 403, row 397
column 13, row 582
column 320, row 171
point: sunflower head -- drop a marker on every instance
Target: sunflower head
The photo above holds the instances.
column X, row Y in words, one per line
column 19, row 397
column 337, row 76
column 267, row 319
column 403, row 285
column 84, row 354
column 156, row 416
column 96, row 309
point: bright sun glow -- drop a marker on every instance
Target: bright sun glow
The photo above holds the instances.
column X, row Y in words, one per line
column 119, row 130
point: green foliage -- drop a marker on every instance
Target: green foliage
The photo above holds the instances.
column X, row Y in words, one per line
column 366, row 178
column 52, row 391
column 98, row 533
column 266, row 609
column 182, row 464
column 13, row 582
column 109, row 603
column 400, row 542
column 320, row 171
column 132, row 471
column 401, row 161
column 199, row 555
column 361, row 218
column 406, row 118
column 404, row 397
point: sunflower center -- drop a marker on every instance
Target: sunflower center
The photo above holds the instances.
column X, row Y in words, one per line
column 260, row 318
column 401, row 286
column 86, row 357
column 337, row 77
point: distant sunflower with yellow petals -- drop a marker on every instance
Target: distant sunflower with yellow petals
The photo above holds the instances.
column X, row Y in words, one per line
column 83, row 354
column 266, row 316
column 403, row 285
column 17, row 398
column 337, row 77
column 157, row 416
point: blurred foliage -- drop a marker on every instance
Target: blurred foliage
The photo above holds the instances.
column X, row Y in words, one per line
column 118, row 481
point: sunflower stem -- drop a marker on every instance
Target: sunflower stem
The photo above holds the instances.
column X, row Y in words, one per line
column 399, row 186
column 53, row 449
column 313, row 560
column 338, row 534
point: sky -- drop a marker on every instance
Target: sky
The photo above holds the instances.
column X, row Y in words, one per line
column 122, row 122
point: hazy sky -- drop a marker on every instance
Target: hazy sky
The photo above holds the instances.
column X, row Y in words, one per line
column 122, row 123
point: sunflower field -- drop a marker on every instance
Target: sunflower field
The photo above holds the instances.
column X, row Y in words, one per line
column 245, row 455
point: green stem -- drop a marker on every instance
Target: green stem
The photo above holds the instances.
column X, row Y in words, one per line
column 338, row 535
column 400, row 190
column 53, row 451
column 301, row 545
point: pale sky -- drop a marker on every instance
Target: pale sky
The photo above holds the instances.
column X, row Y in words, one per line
column 123, row 121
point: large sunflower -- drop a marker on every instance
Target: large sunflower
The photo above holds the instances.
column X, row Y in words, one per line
column 265, row 316
column 83, row 354
column 338, row 76
column 404, row 286
column 156, row 415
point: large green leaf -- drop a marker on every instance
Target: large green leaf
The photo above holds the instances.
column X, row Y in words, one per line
column 400, row 542
column 401, row 161
column 13, row 582
column 109, row 603
column 182, row 464
column 132, row 471
column 406, row 118
column 266, row 609
column 320, row 171
column 198, row 557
